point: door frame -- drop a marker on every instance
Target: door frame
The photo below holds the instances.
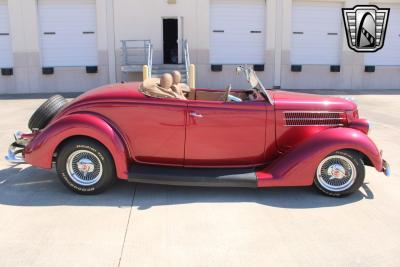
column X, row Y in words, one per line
column 180, row 37
column 202, row 109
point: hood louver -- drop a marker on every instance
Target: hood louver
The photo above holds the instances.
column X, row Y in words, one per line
column 331, row 119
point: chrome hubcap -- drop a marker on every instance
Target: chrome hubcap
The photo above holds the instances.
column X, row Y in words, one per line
column 84, row 167
column 336, row 173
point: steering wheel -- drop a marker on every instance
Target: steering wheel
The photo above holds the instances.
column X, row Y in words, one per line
column 225, row 96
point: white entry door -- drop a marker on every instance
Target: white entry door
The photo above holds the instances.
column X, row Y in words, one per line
column 237, row 31
column 68, row 32
column 6, row 59
column 316, row 33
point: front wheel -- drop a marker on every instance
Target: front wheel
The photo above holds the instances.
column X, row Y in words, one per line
column 85, row 166
column 340, row 173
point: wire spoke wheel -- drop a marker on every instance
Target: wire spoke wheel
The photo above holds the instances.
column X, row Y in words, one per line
column 336, row 173
column 84, row 167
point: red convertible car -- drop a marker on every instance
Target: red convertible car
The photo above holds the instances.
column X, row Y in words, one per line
column 247, row 138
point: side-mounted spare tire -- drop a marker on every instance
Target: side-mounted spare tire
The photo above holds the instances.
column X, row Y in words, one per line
column 42, row 116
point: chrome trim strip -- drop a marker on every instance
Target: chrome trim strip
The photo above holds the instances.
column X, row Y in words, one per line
column 313, row 111
column 312, row 119
column 322, row 125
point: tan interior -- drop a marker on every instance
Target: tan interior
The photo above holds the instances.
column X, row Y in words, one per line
column 163, row 88
column 217, row 96
column 151, row 87
column 191, row 95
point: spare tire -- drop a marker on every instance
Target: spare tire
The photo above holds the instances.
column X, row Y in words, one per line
column 42, row 116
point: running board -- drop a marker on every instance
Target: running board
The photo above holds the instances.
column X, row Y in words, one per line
column 193, row 176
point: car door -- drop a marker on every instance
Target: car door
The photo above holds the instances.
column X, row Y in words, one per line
column 225, row 134
column 154, row 129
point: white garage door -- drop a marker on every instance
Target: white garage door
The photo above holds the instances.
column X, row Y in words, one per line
column 316, row 33
column 237, row 31
column 390, row 53
column 68, row 32
column 5, row 41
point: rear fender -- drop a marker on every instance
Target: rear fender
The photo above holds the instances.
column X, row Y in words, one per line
column 39, row 152
column 297, row 167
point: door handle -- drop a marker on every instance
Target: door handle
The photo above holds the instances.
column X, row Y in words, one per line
column 195, row 114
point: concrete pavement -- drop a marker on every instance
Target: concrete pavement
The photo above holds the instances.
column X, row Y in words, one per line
column 43, row 224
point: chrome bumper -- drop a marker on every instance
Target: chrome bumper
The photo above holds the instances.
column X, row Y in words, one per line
column 386, row 168
column 14, row 153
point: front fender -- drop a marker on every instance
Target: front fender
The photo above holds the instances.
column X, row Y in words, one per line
column 297, row 167
column 39, row 152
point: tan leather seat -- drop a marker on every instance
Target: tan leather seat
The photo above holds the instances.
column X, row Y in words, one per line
column 159, row 87
column 180, row 88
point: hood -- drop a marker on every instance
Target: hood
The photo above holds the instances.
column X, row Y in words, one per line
column 284, row 100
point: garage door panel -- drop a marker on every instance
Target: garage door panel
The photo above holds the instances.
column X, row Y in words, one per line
column 389, row 55
column 237, row 44
column 68, row 32
column 6, row 58
column 316, row 33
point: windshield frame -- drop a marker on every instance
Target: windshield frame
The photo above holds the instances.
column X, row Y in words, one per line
column 248, row 71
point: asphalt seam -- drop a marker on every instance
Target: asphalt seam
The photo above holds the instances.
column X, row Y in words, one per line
column 127, row 225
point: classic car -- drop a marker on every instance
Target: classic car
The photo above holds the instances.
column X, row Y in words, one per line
column 251, row 137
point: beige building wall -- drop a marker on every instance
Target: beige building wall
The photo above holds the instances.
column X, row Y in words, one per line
column 143, row 20
column 351, row 75
column 28, row 77
column 133, row 19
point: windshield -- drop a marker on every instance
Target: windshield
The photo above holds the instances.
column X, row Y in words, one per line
column 254, row 81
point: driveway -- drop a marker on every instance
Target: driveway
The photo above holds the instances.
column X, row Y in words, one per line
column 43, row 224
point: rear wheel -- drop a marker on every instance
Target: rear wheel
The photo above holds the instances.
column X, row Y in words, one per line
column 340, row 173
column 85, row 166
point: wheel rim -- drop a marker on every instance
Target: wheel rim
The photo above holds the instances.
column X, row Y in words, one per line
column 336, row 173
column 84, row 167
